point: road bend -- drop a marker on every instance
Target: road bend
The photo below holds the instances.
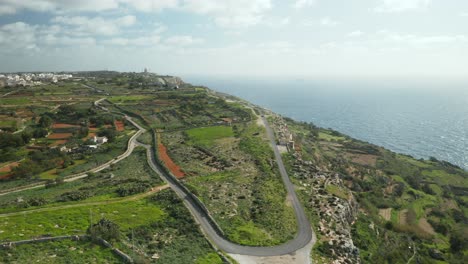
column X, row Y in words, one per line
column 214, row 233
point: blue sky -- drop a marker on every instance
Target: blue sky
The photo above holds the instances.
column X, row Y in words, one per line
column 300, row 38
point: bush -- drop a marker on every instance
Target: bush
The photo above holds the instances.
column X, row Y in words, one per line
column 104, row 229
column 74, row 196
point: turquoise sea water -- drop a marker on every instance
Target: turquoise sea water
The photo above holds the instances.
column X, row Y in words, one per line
column 422, row 119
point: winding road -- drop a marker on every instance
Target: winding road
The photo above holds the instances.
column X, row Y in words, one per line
column 303, row 236
column 209, row 227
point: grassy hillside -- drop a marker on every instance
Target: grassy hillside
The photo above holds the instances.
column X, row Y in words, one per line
column 407, row 206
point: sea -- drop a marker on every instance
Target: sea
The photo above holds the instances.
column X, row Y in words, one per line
column 421, row 118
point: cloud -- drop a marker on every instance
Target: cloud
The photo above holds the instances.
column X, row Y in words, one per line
column 15, row 6
column 230, row 13
column 18, row 36
column 81, row 25
column 183, row 40
column 137, row 41
column 326, row 21
column 53, row 40
column 401, row 5
column 464, row 14
column 151, row 5
column 421, row 41
column 226, row 13
column 303, row 3
column 276, row 47
column 355, row 34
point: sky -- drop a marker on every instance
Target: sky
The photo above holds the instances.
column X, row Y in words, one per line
column 263, row 38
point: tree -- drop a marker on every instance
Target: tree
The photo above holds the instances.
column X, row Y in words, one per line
column 39, row 133
column 110, row 133
column 104, row 229
column 45, row 121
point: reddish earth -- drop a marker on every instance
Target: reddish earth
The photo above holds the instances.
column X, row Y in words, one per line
column 9, row 167
column 59, row 135
column 173, row 168
column 59, row 142
column 62, row 125
column 119, row 125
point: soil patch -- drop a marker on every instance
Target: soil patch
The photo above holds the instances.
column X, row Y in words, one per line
column 59, row 142
column 119, row 125
column 386, row 213
column 173, row 168
column 363, row 159
column 424, row 225
column 60, row 135
column 402, row 217
column 63, row 125
column 9, row 167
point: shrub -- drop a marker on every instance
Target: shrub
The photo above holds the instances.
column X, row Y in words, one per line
column 104, row 229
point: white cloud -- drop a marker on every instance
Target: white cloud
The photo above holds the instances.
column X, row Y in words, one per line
column 53, row 40
column 14, row 6
column 326, row 21
column 422, row 41
column 183, row 40
column 355, row 34
column 137, row 41
column 126, row 21
column 18, row 36
column 230, row 13
column 81, row 25
column 276, row 47
column 303, row 3
column 401, row 5
column 464, row 14
column 152, row 5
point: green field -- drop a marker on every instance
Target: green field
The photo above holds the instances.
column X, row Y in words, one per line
column 329, row 137
column 207, row 135
column 65, row 251
column 15, row 101
column 76, row 220
column 129, row 98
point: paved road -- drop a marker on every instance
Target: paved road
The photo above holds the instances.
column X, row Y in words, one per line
column 201, row 215
column 302, row 238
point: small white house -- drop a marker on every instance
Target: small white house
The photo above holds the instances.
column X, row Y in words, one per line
column 100, row 140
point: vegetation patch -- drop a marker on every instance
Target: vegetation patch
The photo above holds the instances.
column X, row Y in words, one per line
column 70, row 221
column 64, row 251
column 207, row 135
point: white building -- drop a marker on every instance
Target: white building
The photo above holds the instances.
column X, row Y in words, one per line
column 100, row 140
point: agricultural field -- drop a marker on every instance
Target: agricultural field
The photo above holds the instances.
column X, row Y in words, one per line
column 128, row 177
column 159, row 225
column 207, row 136
column 65, row 251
